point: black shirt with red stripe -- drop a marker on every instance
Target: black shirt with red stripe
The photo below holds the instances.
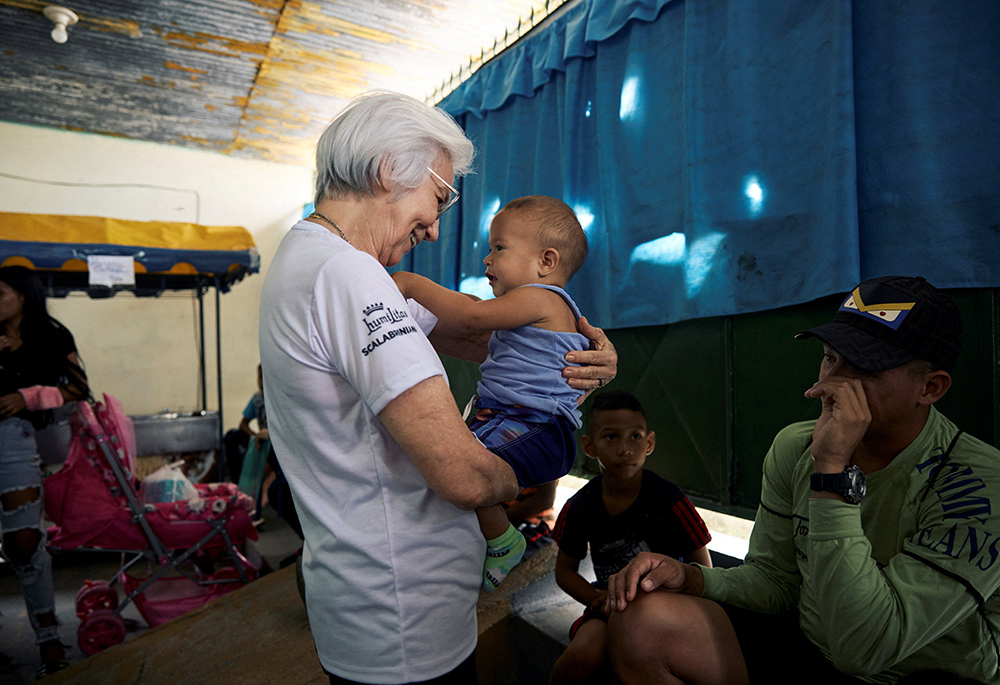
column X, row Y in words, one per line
column 661, row 520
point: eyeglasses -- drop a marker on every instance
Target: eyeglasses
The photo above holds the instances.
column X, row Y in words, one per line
column 454, row 194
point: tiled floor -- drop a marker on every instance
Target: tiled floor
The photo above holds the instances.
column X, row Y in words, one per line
column 18, row 653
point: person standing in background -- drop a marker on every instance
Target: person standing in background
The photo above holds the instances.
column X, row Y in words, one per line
column 39, row 371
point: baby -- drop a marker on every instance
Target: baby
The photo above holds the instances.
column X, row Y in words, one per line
column 526, row 411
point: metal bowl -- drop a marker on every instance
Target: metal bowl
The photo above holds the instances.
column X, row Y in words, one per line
column 174, row 432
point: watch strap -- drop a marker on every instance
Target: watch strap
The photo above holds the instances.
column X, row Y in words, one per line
column 839, row 483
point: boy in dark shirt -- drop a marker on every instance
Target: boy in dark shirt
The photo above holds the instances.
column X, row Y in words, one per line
column 623, row 511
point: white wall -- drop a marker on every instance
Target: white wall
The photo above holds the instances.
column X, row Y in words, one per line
column 145, row 350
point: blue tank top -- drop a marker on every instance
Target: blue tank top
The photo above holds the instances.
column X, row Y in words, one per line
column 525, row 364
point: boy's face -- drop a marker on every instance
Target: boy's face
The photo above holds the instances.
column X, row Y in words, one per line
column 514, row 255
column 620, row 442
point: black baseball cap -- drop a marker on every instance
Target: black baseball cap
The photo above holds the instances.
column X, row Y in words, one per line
column 890, row 321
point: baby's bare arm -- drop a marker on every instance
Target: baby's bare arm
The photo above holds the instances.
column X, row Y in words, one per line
column 462, row 313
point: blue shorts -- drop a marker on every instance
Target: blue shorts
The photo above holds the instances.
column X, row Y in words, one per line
column 539, row 447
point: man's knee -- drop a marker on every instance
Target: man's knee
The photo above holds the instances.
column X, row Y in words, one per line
column 651, row 622
column 662, row 632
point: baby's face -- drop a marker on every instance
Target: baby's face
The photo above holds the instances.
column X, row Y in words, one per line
column 514, row 255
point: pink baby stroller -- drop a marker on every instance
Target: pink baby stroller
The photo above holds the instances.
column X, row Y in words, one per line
column 94, row 502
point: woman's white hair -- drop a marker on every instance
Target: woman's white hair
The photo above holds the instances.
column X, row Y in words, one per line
column 382, row 132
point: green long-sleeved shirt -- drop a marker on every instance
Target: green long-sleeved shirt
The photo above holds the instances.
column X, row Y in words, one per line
column 905, row 581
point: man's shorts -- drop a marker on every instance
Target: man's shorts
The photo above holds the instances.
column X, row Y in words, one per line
column 776, row 650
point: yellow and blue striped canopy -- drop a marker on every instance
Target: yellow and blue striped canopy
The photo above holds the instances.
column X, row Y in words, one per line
column 58, row 243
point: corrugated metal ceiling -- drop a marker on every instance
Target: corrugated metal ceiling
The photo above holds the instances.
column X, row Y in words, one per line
column 255, row 78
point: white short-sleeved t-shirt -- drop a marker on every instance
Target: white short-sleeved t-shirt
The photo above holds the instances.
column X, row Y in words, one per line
column 391, row 570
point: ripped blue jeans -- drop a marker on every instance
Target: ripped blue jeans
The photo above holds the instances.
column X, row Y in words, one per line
column 20, row 469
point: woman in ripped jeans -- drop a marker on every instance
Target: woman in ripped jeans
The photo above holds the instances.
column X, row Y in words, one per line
column 39, row 371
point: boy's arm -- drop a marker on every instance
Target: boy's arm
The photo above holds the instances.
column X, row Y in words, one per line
column 700, row 556
column 576, row 586
column 459, row 312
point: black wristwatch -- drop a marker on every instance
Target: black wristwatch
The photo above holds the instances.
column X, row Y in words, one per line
column 849, row 484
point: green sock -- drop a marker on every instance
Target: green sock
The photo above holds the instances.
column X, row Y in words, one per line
column 502, row 554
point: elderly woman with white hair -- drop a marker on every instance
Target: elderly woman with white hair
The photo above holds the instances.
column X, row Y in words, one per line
column 384, row 473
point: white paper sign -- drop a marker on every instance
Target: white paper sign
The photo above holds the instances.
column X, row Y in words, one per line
column 111, row 270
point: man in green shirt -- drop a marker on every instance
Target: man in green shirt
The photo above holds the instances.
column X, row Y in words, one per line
column 875, row 549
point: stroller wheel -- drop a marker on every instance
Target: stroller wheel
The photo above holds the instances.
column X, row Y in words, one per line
column 95, row 595
column 100, row 630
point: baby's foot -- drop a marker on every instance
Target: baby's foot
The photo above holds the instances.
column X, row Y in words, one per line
column 502, row 555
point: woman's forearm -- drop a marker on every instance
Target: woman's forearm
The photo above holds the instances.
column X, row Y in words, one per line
column 425, row 422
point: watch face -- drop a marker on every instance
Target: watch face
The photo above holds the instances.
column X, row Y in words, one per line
column 858, row 486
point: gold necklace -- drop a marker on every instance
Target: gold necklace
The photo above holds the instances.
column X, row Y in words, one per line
column 332, row 223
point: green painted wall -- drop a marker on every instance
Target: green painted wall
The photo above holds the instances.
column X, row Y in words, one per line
column 717, row 390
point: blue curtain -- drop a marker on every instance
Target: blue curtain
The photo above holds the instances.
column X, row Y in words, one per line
column 927, row 97
column 728, row 156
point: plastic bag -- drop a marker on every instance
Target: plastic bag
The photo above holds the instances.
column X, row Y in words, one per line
column 167, row 484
